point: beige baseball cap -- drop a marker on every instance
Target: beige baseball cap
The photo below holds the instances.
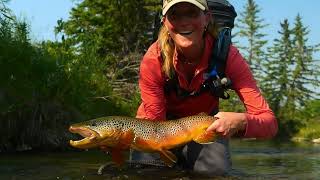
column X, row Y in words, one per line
column 167, row 4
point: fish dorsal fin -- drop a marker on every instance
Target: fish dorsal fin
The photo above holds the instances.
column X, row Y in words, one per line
column 205, row 137
column 168, row 157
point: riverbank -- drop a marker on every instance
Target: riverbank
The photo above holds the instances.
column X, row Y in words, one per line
column 302, row 139
column 310, row 133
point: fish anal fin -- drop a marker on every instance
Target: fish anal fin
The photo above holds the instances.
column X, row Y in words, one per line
column 205, row 137
column 117, row 152
column 117, row 156
column 168, row 157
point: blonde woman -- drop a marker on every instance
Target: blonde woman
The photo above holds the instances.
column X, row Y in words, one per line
column 182, row 52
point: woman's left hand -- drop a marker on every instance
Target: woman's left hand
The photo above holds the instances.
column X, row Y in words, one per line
column 228, row 123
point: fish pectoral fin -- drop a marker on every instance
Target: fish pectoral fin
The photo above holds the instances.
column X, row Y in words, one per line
column 126, row 139
column 117, row 156
column 168, row 157
column 117, row 153
column 205, row 137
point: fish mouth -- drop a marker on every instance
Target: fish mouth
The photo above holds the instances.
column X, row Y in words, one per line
column 89, row 136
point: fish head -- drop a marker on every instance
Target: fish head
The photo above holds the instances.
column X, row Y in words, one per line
column 95, row 133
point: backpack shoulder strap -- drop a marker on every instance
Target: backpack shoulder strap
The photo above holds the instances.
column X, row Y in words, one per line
column 220, row 53
column 216, row 80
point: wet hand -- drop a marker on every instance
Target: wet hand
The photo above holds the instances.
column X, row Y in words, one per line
column 228, row 123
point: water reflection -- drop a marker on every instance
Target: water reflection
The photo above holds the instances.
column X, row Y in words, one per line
column 277, row 161
column 251, row 160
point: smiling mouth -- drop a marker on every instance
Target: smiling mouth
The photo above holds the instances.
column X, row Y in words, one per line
column 184, row 33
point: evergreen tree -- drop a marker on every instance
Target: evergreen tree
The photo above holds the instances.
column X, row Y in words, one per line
column 5, row 12
column 305, row 71
column 275, row 82
column 291, row 73
column 250, row 26
column 3, row 8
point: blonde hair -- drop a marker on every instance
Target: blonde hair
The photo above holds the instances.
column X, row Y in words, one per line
column 167, row 47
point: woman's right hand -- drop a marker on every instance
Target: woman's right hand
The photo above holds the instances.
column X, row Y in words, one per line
column 228, row 123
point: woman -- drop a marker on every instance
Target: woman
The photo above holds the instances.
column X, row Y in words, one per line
column 182, row 51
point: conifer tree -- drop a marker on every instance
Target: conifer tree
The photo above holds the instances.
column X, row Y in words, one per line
column 275, row 83
column 250, row 25
column 305, row 71
column 5, row 12
column 291, row 73
column 276, row 79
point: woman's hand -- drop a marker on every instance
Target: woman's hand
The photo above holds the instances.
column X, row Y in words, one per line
column 228, row 123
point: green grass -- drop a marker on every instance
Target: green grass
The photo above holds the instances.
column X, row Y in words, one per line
column 310, row 131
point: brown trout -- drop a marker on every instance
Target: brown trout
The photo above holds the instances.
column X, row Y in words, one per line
column 119, row 133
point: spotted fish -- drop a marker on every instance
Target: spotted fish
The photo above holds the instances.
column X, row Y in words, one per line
column 120, row 133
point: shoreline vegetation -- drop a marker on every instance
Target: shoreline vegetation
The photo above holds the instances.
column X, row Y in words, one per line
column 302, row 139
column 310, row 133
column 92, row 70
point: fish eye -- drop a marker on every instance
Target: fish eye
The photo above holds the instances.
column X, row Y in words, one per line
column 93, row 124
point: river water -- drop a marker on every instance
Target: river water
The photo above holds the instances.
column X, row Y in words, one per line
column 251, row 160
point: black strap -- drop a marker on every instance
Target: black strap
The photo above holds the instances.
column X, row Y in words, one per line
column 220, row 54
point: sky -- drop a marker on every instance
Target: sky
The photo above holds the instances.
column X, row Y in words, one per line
column 42, row 15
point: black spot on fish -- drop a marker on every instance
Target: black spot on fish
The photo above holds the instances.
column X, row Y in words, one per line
column 93, row 124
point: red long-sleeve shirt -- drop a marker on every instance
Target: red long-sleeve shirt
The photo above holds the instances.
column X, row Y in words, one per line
column 261, row 122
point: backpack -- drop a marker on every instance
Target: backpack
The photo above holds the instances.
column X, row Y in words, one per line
column 215, row 79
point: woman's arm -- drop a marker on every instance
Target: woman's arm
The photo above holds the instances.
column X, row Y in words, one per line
column 258, row 121
column 151, row 84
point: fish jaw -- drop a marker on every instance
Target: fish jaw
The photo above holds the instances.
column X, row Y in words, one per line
column 90, row 140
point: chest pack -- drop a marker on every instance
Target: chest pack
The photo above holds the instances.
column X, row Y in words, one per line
column 216, row 81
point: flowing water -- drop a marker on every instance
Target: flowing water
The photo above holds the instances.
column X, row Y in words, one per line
column 251, row 160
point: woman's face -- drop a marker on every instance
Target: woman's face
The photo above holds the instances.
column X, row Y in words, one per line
column 186, row 24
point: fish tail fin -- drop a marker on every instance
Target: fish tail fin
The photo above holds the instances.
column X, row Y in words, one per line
column 168, row 157
column 205, row 137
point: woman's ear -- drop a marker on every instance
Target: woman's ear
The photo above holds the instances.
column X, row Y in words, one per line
column 208, row 17
column 163, row 19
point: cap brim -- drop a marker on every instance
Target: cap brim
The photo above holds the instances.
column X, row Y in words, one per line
column 170, row 4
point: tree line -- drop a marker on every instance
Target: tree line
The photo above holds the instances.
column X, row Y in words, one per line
column 91, row 70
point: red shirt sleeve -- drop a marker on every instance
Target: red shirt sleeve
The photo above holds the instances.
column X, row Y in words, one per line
column 151, row 83
column 261, row 122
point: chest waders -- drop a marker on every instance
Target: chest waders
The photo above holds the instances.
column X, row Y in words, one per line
column 205, row 159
